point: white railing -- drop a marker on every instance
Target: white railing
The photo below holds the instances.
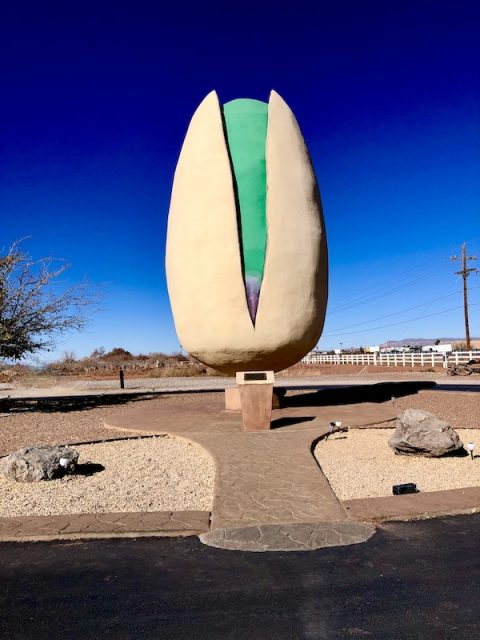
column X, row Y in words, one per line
column 423, row 359
column 458, row 357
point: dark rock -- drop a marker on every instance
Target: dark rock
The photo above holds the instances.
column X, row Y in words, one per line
column 423, row 434
column 43, row 462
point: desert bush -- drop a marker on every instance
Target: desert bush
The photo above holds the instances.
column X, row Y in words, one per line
column 99, row 364
column 117, row 354
column 34, row 311
column 13, row 372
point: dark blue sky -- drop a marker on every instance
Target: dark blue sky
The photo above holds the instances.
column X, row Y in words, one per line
column 95, row 99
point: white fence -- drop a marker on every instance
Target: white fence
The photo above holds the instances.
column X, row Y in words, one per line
column 394, row 359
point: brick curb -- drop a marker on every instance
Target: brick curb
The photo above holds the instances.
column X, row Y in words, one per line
column 417, row 506
column 270, row 494
column 104, row 525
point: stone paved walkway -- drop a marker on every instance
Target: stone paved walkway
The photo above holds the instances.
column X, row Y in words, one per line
column 270, row 493
column 206, row 414
column 268, row 478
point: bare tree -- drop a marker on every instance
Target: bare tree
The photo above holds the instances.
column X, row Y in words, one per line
column 35, row 305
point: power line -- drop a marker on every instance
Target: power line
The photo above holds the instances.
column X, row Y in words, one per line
column 381, row 284
column 389, row 315
column 393, row 324
column 378, row 288
column 384, row 292
column 395, row 284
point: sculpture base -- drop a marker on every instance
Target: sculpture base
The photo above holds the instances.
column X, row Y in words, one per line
column 233, row 403
column 256, row 406
column 232, row 399
column 256, row 393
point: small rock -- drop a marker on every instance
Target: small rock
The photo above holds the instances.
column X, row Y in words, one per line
column 421, row 433
column 43, row 462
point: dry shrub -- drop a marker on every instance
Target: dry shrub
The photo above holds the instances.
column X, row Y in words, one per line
column 179, row 371
column 13, row 372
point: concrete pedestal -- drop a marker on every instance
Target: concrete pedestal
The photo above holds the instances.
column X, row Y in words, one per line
column 232, row 399
column 256, row 394
column 256, row 406
column 233, row 403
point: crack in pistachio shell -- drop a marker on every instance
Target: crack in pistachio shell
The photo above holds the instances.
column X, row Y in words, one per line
column 205, row 265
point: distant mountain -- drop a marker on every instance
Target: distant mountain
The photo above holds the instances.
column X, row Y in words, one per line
column 421, row 342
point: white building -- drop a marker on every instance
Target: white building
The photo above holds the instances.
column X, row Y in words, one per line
column 437, row 348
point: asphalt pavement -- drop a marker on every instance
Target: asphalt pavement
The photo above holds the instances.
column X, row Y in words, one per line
column 418, row 580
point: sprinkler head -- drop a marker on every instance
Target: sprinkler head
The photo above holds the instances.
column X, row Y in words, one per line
column 331, row 427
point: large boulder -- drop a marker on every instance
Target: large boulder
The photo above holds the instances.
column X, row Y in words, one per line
column 43, row 462
column 423, row 434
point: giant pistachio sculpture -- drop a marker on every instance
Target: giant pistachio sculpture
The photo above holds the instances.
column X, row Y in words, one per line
column 246, row 251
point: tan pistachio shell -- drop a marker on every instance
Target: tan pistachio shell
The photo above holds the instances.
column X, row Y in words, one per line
column 203, row 262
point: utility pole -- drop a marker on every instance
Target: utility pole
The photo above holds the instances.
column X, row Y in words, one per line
column 465, row 272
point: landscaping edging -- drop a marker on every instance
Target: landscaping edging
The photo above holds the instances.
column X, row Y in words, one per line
column 415, row 506
column 268, row 496
column 104, row 525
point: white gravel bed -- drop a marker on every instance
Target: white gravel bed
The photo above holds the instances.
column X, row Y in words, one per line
column 360, row 464
column 150, row 474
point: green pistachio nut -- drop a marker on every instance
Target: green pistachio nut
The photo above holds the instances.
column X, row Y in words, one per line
column 246, row 257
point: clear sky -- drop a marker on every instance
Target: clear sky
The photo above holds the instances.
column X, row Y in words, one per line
column 95, row 99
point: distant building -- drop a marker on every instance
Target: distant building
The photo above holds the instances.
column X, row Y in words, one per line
column 437, row 348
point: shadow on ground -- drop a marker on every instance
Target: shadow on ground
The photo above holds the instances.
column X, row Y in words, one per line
column 69, row 403
column 88, row 401
column 380, row 392
column 278, row 423
column 88, row 469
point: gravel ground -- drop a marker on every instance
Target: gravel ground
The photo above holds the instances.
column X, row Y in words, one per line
column 360, row 464
column 27, row 428
column 460, row 409
column 150, row 474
